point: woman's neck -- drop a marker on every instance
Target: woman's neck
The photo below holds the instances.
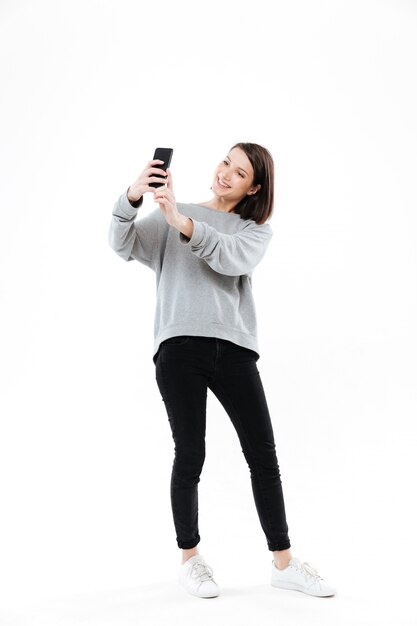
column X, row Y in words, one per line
column 219, row 206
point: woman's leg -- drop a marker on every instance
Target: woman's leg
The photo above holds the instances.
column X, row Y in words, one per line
column 237, row 385
column 184, row 393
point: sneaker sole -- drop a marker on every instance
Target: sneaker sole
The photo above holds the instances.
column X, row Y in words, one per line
column 295, row 587
column 195, row 593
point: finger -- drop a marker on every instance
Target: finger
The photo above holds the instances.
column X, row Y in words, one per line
column 157, row 170
column 162, row 200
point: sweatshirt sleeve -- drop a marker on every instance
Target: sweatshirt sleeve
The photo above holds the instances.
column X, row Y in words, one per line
column 130, row 239
column 232, row 255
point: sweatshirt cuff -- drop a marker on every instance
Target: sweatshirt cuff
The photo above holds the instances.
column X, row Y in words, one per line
column 136, row 203
column 125, row 209
column 198, row 235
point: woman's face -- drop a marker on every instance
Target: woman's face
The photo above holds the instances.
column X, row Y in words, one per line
column 236, row 172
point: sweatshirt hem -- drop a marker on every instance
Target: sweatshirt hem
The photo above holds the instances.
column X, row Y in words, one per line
column 211, row 329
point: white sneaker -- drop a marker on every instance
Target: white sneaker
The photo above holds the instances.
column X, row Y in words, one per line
column 300, row 577
column 197, row 577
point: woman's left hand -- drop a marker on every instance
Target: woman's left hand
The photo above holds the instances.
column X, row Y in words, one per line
column 165, row 197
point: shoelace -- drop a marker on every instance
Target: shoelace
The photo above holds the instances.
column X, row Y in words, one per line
column 201, row 570
column 308, row 570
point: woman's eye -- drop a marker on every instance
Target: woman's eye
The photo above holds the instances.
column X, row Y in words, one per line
column 227, row 163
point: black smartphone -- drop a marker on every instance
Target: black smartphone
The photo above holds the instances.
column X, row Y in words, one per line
column 165, row 155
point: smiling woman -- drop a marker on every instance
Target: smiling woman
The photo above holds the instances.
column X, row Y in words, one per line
column 206, row 251
column 205, row 337
column 243, row 183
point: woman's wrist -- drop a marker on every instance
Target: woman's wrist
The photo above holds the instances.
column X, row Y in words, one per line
column 184, row 224
column 135, row 202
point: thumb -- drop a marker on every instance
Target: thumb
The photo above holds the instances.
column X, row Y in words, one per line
column 169, row 180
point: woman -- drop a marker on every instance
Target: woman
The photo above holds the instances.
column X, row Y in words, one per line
column 205, row 332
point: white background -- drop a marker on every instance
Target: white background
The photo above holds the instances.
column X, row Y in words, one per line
column 88, row 90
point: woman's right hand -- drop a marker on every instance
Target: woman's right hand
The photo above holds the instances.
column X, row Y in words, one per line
column 151, row 174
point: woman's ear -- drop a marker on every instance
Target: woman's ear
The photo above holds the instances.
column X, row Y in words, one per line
column 257, row 189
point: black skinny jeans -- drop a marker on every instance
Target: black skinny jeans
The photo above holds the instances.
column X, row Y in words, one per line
column 185, row 367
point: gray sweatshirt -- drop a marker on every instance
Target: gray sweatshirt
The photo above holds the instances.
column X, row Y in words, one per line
column 203, row 283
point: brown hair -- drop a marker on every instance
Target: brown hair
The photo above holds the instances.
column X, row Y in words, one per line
column 259, row 206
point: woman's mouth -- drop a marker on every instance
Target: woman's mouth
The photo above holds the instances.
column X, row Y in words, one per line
column 222, row 185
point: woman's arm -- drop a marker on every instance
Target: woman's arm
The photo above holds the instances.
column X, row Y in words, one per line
column 232, row 255
column 130, row 239
column 185, row 225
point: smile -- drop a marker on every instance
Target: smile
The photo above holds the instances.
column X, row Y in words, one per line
column 221, row 184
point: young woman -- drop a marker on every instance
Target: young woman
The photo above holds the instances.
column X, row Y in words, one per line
column 203, row 255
